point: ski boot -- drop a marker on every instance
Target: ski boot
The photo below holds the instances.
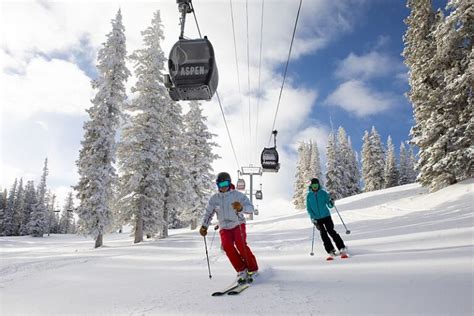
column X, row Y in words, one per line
column 332, row 255
column 251, row 276
column 242, row 277
column 343, row 253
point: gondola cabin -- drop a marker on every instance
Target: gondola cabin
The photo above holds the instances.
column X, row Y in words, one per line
column 240, row 184
column 193, row 70
column 269, row 160
column 258, row 195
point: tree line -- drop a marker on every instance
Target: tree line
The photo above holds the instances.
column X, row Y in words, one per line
column 345, row 174
column 29, row 210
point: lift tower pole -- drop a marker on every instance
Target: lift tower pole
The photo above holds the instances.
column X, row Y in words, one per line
column 251, row 171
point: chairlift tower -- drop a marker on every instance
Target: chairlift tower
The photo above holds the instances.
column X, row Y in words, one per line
column 251, row 171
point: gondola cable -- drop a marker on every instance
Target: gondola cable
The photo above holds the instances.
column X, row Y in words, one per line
column 259, row 75
column 248, row 76
column 286, row 69
column 237, row 68
column 220, row 106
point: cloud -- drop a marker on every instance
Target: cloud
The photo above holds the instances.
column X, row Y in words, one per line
column 356, row 97
column 46, row 86
column 371, row 65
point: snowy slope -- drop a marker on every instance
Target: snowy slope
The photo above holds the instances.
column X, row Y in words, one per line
column 412, row 254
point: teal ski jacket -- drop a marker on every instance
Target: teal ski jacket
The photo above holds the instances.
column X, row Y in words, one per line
column 318, row 203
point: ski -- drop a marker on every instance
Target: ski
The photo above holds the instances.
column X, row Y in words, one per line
column 226, row 290
column 239, row 289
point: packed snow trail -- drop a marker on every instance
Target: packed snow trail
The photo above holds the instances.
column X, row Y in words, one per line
column 411, row 253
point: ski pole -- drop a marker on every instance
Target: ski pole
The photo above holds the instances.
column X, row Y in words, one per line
column 347, row 230
column 207, row 256
column 312, row 242
column 213, row 236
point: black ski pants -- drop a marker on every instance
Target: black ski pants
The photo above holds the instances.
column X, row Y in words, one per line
column 325, row 226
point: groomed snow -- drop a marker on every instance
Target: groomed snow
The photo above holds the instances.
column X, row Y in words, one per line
column 411, row 254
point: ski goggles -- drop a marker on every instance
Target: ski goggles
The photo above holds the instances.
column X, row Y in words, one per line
column 314, row 186
column 223, row 184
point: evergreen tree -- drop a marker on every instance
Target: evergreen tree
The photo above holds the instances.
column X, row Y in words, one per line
column 66, row 221
column 315, row 163
column 334, row 182
column 97, row 156
column 19, row 208
column 299, row 195
column 412, row 174
column 403, row 170
column 450, row 151
column 175, row 165
column 38, row 221
column 30, row 204
column 8, row 227
column 52, row 214
column 199, row 150
column 418, row 52
column 391, row 173
column 439, row 55
column 353, row 172
column 142, row 151
column 372, row 161
column 344, row 166
column 3, row 206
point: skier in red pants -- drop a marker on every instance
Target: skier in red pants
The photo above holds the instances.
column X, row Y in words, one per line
column 229, row 205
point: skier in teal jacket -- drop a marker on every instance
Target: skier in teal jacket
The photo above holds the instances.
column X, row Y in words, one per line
column 318, row 203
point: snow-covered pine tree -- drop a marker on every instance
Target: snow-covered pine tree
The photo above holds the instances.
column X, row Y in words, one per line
column 19, row 208
column 38, row 223
column 403, row 170
column 333, row 174
column 344, row 166
column 299, row 195
column 308, row 148
column 315, row 162
column 3, row 206
column 30, row 203
column 53, row 218
column 372, row 161
column 412, row 174
column 435, row 71
column 353, row 172
column 8, row 228
column 450, row 149
column 175, row 166
column 66, row 221
column 199, row 150
column 97, row 156
column 142, row 151
column 391, row 173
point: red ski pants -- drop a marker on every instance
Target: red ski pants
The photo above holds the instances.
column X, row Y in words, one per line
column 234, row 242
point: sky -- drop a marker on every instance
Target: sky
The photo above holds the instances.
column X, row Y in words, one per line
column 345, row 69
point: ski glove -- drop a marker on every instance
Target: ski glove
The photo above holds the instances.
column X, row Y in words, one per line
column 203, row 231
column 237, row 206
column 331, row 202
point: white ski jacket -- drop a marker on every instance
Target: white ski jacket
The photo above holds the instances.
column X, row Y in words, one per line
column 221, row 204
